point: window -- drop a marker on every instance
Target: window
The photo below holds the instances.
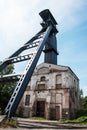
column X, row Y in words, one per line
column 58, row 81
column 42, row 78
column 41, row 86
column 58, row 86
column 27, row 100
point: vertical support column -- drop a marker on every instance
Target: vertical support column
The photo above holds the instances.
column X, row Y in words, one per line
column 51, row 50
column 51, row 44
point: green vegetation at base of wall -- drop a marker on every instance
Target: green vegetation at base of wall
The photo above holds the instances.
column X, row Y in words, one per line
column 80, row 120
column 38, row 118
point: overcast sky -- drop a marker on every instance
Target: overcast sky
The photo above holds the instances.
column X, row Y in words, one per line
column 19, row 21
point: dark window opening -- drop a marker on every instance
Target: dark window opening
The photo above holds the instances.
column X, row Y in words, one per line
column 43, row 78
column 27, row 100
column 58, row 86
column 41, row 86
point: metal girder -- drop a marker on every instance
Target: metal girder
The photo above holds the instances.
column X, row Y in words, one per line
column 24, row 80
column 20, row 58
column 10, row 77
column 32, row 43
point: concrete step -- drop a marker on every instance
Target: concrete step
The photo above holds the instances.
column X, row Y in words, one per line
column 2, row 117
column 42, row 124
column 36, row 124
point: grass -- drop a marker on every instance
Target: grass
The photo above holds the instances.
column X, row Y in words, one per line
column 38, row 118
column 9, row 123
column 80, row 120
column 12, row 123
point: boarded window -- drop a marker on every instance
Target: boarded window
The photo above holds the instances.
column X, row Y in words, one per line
column 41, row 86
column 27, row 100
column 52, row 98
column 58, row 79
column 58, row 98
column 58, row 86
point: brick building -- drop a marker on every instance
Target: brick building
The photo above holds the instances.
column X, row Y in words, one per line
column 53, row 93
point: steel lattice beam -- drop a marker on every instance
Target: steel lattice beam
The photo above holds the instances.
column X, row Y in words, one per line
column 38, row 42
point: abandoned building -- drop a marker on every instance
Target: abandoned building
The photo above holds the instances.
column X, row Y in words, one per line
column 53, row 93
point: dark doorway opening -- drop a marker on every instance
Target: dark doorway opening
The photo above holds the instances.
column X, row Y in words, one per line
column 40, row 112
column 57, row 112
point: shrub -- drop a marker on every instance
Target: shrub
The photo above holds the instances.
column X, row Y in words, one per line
column 81, row 113
column 80, row 120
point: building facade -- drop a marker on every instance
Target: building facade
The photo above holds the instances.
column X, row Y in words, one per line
column 53, row 93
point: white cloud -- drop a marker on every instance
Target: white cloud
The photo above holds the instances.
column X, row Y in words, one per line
column 84, row 90
column 19, row 20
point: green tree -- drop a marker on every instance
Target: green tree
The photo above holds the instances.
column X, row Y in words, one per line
column 6, row 88
column 83, row 111
column 84, row 102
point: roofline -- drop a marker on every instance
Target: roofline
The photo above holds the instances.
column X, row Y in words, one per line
column 68, row 68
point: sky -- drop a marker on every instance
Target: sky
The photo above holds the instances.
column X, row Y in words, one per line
column 20, row 20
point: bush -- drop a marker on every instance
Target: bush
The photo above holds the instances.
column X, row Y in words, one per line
column 81, row 113
column 80, row 120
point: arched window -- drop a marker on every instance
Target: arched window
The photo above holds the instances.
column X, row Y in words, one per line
column 42, row 78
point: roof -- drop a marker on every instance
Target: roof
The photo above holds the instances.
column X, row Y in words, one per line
column 55, row 68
